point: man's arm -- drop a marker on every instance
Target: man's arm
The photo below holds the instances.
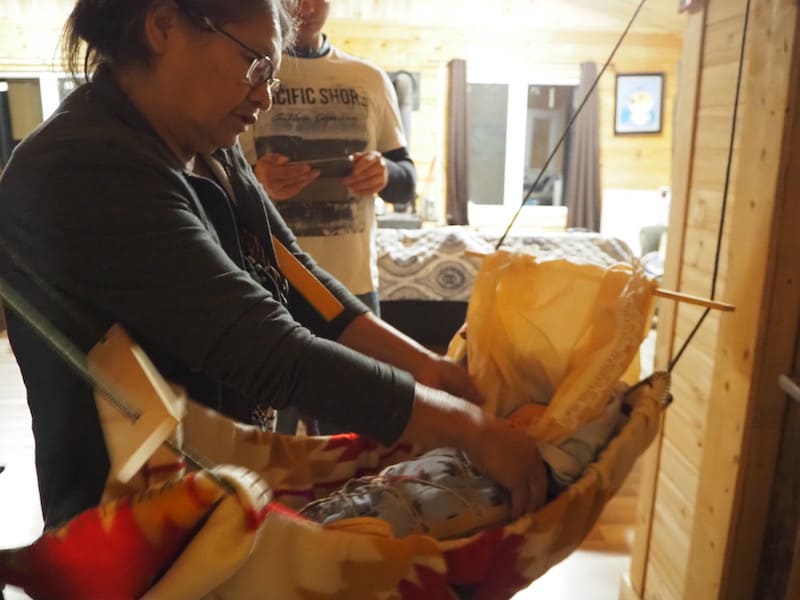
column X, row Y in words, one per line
column 402, row 174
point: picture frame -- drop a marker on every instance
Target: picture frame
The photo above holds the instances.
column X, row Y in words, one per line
column 639, row 100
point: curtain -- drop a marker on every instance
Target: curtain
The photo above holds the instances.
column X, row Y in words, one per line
column 457, row 144
column 583, row 167
column 404, row 85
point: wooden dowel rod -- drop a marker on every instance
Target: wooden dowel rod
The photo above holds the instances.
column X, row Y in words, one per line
column 689, row 299
column 677, row 296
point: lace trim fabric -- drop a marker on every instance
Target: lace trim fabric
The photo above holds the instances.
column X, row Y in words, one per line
column 555, row 332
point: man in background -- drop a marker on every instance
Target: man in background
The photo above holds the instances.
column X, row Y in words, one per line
column 332, row 105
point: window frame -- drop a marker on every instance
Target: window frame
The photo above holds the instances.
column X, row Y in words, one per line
column 518, row 78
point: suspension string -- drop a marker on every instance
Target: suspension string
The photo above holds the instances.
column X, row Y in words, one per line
column 77, row 361
column 569, row 126
column 64, row 348
column 725, row 193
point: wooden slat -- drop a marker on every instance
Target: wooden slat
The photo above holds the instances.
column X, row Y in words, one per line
column 723, row 41
column 716, row 90
column 728, row 9
column 659, row 585
column 643, row 579
column 667, row 564
column 684, row 474
column 720, row 540
column 714, row 128
column 685, row 433
column 778, row 342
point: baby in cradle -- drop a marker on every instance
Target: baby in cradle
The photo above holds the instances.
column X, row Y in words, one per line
column 440, row 494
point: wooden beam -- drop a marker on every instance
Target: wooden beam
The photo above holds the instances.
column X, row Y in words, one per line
column 768, row 420
column 684, row 141
column 729, row 519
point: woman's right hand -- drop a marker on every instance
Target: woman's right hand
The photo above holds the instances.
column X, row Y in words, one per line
column 496, row 448
column 281, row 180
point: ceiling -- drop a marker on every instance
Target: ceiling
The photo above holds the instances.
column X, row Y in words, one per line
column 656, row 16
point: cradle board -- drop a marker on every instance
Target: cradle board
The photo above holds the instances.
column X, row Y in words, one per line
column 295, row 559
column 136, row 382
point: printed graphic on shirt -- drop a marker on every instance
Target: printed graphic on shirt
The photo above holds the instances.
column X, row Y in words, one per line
column 311, row 123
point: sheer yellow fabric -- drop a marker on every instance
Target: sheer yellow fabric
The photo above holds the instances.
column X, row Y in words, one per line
column 555, row 332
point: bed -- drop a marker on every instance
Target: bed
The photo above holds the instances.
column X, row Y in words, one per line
column 425, row 276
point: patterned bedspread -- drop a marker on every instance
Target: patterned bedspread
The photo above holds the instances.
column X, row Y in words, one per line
column 430, row 264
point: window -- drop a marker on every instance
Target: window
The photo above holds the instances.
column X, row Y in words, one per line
column 25, row 101
column 20, row 112
column 515, row 120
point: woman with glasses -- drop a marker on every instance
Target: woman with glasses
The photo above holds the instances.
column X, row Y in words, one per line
column 133, row 204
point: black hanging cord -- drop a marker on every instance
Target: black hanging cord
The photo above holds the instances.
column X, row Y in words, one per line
column 77, row 361
column 569, row 125
column 725, row 192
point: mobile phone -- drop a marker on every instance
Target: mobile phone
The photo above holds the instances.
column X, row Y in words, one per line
column 340, row 166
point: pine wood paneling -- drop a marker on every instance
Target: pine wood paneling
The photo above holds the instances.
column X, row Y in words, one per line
column 685, row 475
column 727, row 9
column 685, row 428
column 723, row 41
column 685, row 433
column 627, row 162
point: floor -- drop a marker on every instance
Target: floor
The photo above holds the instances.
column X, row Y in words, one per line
column 593, row 572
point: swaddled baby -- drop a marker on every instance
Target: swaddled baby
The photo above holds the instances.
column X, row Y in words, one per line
column 440, row 494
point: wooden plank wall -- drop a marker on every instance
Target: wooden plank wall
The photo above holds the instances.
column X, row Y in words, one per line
column 425, row 42
column 715, row 461
column 661, row 566
column 627, row 162
column 756, row 344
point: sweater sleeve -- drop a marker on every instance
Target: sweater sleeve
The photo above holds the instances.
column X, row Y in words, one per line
column 128, row 239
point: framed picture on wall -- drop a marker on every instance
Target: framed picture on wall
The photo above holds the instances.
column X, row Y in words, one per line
column 639, row 103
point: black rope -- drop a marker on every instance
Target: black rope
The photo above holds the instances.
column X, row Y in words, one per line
column 569, row 125
column 77, row 361
column 726, row 190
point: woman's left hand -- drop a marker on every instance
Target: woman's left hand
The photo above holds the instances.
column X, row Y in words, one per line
column 369, row 174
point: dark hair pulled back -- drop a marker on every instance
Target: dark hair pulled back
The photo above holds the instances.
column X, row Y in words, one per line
column 113, row 30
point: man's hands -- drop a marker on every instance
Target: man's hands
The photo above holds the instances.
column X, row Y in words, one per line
column 283, row 181
column 369, row 174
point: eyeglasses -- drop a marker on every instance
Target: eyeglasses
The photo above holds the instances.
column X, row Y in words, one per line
column 261, row 70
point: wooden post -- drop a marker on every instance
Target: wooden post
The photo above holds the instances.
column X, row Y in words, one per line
column 684, row 136
column 739, row 447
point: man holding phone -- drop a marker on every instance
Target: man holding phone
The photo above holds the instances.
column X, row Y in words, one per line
column 332, row 141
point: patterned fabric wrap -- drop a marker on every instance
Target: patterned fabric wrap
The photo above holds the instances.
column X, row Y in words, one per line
column 251, row 544
column 360, row 558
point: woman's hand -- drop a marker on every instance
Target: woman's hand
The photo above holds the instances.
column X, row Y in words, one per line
column 369, row 174
column 283, row 181
column 511, row 458
column 371, row 336
column 494, row 446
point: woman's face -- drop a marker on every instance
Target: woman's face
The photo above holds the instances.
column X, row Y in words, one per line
column 213, row 100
